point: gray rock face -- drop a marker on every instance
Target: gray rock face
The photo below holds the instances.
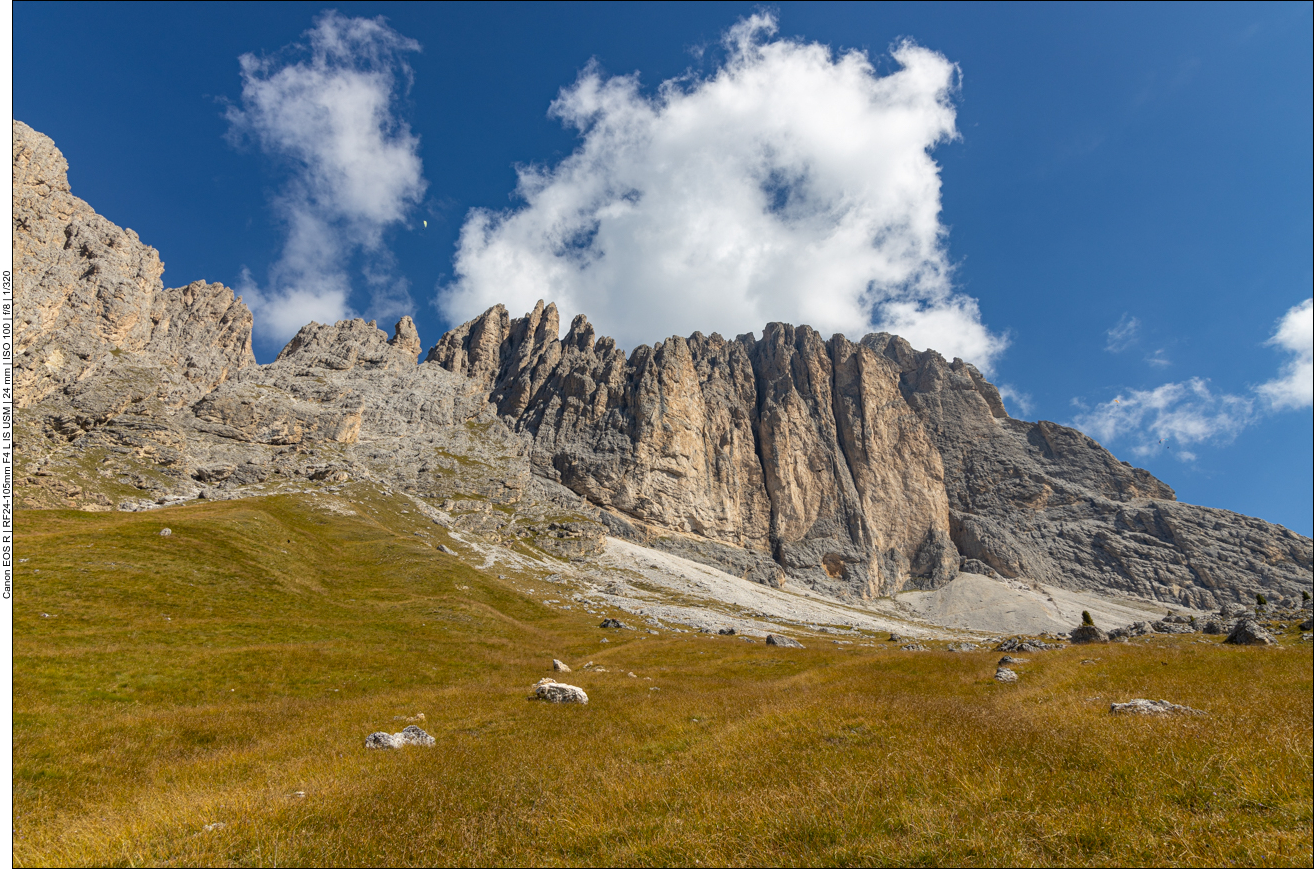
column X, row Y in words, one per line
column 797, row 452
column 815, row 453
column 787, row 642
column 856, row 468
column 1046, row 502
column 92, row 306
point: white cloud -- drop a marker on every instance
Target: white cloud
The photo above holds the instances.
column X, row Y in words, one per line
column 355, row 167
column 1295, row 334
column 1122, row 335
column 1188, row 413
column 1175, row 413
column 791, row 185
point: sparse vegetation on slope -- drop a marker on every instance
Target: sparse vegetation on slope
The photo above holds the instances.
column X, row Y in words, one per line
column 203, row 698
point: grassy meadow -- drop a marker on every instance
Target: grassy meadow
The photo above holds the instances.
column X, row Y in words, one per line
column 203, row 699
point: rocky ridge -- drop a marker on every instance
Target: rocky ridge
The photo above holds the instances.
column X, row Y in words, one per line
column 857, row 469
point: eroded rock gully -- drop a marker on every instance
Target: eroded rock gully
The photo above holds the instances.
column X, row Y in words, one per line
column 858, row 469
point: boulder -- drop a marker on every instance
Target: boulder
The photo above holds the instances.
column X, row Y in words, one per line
column 560, row 666
column 1141, row 706
column 1089, row 634
column 1230, row 611
column 729, row 632
column 611, row 623
column 1003, row 674
column 1164, row 626
column 776, row 640
column 410, row 735
column 1249, row 632
column 1213, row 626
column 559, row 692
column 1009, row 659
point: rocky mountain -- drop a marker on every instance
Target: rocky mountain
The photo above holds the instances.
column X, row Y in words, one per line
column 858, row 469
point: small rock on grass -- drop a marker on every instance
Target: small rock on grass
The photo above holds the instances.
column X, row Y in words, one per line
column 410, row 735
column 442, row 547
column 913, row 647
column 1003, row 674
column 1141, row 706
column 1009, row 659
column 560, row 666
column 773, row 640
column 612, row 623
column 559, row 692
column 166, row 532
column 729, row 632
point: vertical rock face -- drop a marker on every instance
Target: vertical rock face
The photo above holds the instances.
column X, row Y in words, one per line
column 857, row 468
column 90, row 302
column 1046, row 502
column 797, row 449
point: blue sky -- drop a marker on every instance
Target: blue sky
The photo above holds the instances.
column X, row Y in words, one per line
column 1116, row 205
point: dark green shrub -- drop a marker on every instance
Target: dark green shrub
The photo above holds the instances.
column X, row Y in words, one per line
column 1086, row 619
column 1260, row 600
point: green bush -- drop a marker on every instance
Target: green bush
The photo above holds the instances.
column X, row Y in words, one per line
column 1260, row 600
column 1086, row 619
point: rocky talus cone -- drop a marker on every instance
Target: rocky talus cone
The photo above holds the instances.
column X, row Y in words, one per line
column 855, row 468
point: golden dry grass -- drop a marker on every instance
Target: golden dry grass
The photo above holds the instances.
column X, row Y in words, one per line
column 293, row 632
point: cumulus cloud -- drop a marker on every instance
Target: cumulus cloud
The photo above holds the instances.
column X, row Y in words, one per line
column 1294, row 388
column 791, row 184
column 326, row 108
column 1189, row 413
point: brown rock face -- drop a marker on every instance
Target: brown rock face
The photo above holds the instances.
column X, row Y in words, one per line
column 796, row 449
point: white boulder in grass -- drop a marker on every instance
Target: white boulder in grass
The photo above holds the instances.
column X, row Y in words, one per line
column 1141, row 706
column 410, row 735
column 558, row 692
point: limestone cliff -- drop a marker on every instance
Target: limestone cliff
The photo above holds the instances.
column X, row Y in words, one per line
column 859, row 469
column 92, row 306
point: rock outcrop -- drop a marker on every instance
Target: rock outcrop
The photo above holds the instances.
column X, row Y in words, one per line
column 858, row 469
column 799, row 451
column 93, row 307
